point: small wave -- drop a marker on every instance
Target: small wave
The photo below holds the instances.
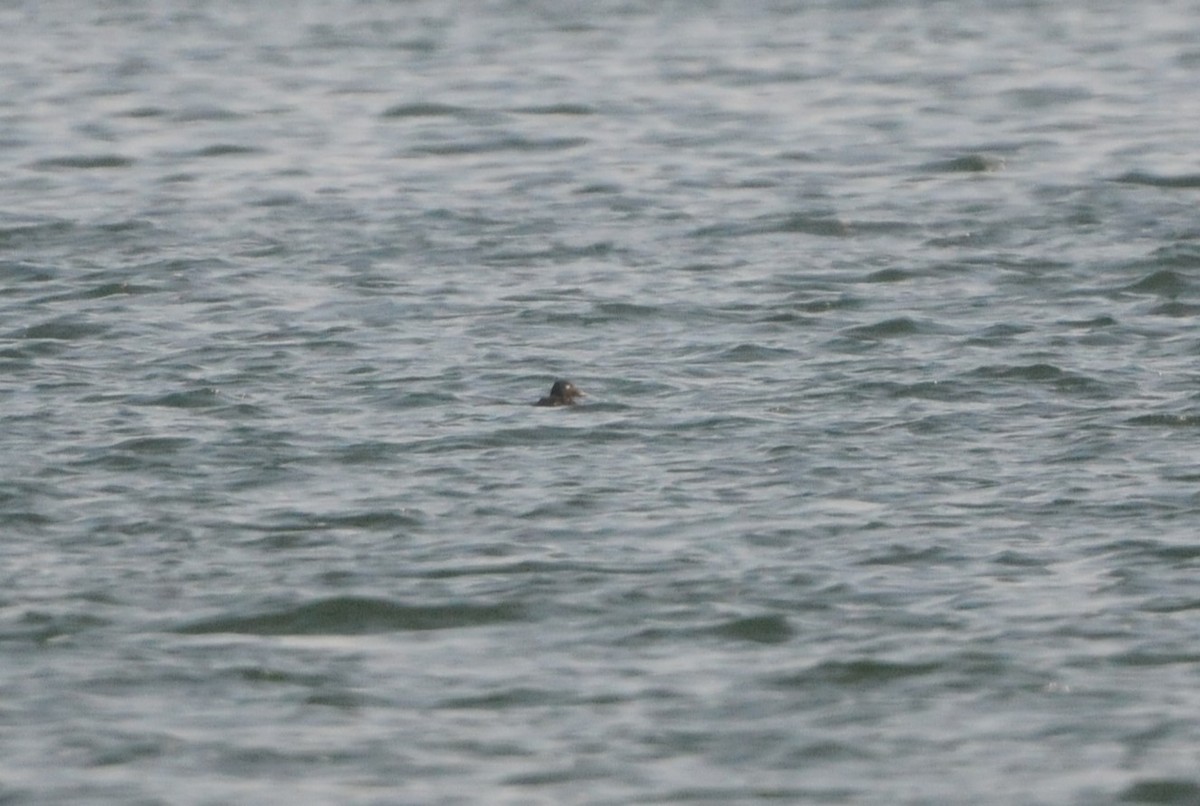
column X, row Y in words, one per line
column 557, row 109
column 518, row 697
column 29, row 233
column 924, row 390
column 146, row 111
column 84, row 162
column 1163, row 283
column 350, row 615
column 42, row 627
column 557, row 253
column 627, row 310
column 768, row 628
column 1159, row 180
column 206, row 114
column 1102, row 321
column 1048, row 95
column 424, row 110
column 191, row 399
column 597, row 188
column 764, row 629
column 1163, row 420
column 1022, row 372
column 842, row 302
column 967, row 163
column 1154, row 549
column 384, row 520
column 118, row 289
column 224, row 150
column 1174, row 791
column 751, row 353
column 794, row 224
column 153, row 446
column 1176, row 309
column 499, row 145
column 1185, row 255
column 1000, row 333
column 888, row 276
column 369, row 452
column 856, row 673
column 886, row 329
column 1042, row 373
column 897, row 554
column 65, row 329
column 520, row 567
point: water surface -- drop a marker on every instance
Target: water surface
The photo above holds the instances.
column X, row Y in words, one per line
column 884, row 491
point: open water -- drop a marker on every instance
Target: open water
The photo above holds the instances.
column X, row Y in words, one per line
column 886, row 487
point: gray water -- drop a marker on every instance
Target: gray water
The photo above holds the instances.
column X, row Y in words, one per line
column 885, row 489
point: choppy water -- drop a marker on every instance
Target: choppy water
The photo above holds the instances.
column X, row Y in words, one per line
column 885, row 491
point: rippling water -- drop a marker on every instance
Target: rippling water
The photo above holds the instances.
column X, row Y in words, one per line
column 884, row 492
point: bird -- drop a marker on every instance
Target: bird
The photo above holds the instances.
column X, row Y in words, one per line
column 562, row 393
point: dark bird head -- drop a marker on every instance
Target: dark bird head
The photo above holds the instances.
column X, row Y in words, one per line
column 562, row 393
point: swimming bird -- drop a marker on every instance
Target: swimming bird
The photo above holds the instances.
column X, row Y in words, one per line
column 562, row 393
